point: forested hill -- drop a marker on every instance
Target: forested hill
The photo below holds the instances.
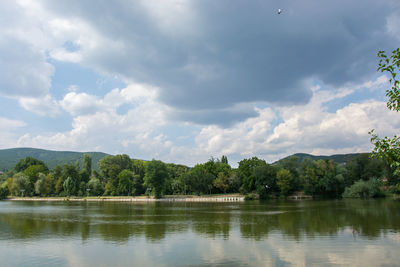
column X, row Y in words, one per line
column 339, row 158
column 10, row 157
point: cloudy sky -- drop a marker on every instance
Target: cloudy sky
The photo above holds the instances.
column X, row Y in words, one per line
column 183, row 81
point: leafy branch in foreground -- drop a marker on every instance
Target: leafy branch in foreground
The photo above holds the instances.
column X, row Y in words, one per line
column 392, row 65
column 388, row 149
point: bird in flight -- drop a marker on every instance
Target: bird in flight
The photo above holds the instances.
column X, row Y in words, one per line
column 279, row 11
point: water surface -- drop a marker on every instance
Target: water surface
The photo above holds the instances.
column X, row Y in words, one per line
column 273, row 233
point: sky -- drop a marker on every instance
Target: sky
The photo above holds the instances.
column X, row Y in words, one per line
column 184, row 81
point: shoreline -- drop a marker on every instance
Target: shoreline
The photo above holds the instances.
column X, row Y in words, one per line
column 227, row 198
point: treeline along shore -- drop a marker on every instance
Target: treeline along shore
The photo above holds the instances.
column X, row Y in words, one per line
column 213, row 198
column 214, row 180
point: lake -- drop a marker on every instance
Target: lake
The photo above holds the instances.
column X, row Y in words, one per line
column 251, row 233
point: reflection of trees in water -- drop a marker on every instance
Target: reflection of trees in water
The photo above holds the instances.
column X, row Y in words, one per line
column 368, row 218
column 212, row 222
column 119, row 222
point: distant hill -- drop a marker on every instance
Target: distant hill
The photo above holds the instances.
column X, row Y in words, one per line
column 10, row 157
column 339, row 158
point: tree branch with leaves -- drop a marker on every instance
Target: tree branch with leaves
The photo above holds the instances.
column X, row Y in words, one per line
column 388, row 149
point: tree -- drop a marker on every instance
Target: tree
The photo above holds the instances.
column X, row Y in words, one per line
column 87, row 163
column 198, row 179
column 156, row 174
column 20, row 184
column 41, row 187
column 110, row 167
column 71, row 171
column 96, row 189
column 139, row 167
column 125, row 179
column 290, row 164
column 265, row 179
column 363, row 167
column 23, row 164
column 388, row 148
column 69, row 186
column 364, row 189
column 33, row 172
column 137, row 185
column 174, row 183
column 246, row 173
column 222, row 182
column 224, row 159
column 284, row 180
column 4, row 190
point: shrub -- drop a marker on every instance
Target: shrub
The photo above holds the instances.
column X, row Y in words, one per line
column 364, row 189
column 4, row 191
column 250, row 196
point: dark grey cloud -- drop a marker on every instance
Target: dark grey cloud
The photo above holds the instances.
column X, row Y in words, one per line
column 231, row 52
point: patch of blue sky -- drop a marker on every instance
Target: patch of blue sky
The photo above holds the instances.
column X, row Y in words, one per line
column 36, row 124
column 276, row 120
column 87, row 80
column 10, row 109
column 124, row 108
column 358, row 96
column 39, row 125
column 71, row 46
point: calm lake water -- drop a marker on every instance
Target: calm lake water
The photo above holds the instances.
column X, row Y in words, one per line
column 273, row 233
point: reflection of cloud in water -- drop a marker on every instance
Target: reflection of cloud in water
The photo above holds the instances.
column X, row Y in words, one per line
column 395, row 237
column 188, row 249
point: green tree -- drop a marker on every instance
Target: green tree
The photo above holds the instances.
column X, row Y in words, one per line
column 322, row 177
column 137, row 185
column 20, row 184
column 57, row 180
column 388, row 148
column 291, row 163
column 363, row 167
column 222, row 182
column 246, row 173
column 33, row 172
column 4, row 190
column 156, row 174
column 364, row 189
column 265, row 179
column 23, row 164
column 69, row 186
column 41, row 187
column 96, row 189
column 139, row 167
column 110, row 167
column 224, row 159
column 71, row 171
column 174, row 183
column 125, row 180
column 284, row 180
column 198, row 179
column 87, row 163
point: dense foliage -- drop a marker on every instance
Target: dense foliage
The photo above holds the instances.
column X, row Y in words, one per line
column 120, row 175
column 388, row 148
column 364, row 189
